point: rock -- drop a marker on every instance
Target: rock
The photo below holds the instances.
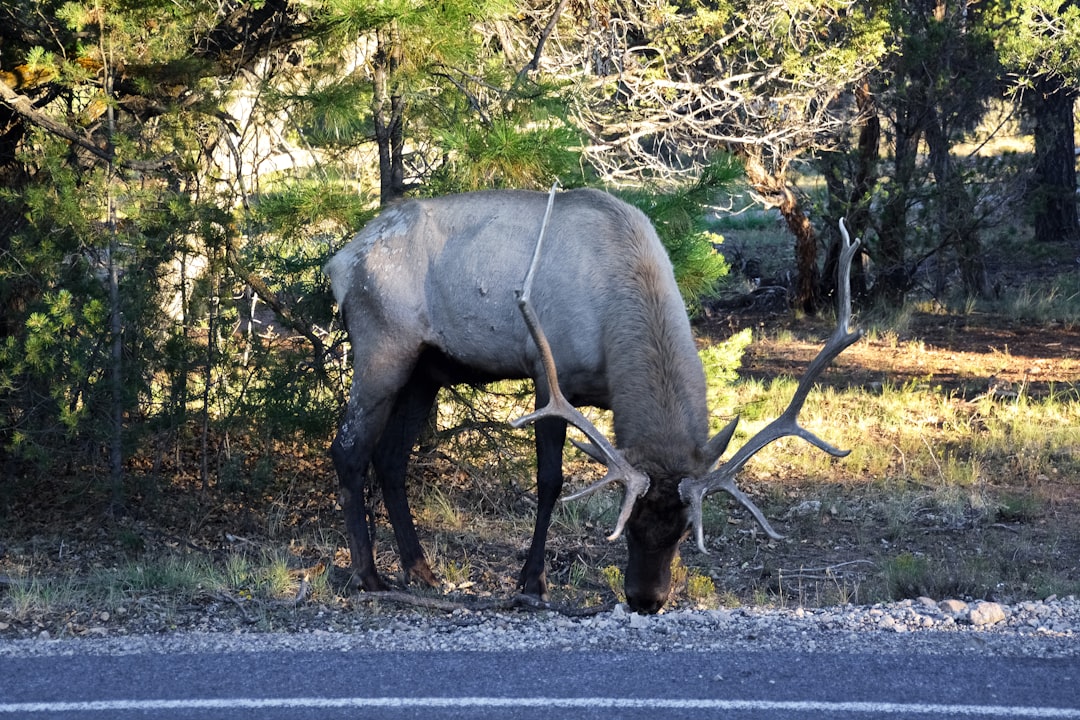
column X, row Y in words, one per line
column 638, row 622
column 986, row 613
column 804, row 509
column 953, row 608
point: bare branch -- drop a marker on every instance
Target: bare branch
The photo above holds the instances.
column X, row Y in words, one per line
column 268, row 297
column 25, row 107
column 534, row 63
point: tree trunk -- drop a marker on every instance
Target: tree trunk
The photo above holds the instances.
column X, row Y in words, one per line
column 893, row 277
column 1053, row 195
column 955, row 210
column 776, row 192
column 388, row 114
column 807, row 278
column 853, row 206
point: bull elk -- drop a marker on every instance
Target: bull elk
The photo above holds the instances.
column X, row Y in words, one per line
column 429, row 292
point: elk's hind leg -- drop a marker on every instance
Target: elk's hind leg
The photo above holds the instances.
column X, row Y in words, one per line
column 391, row 461
column 351, row 451
column 382, row 366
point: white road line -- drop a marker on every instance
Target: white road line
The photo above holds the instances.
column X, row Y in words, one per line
column 875, row 708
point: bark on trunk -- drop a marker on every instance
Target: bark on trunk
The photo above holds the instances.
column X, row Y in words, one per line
column 893, row 277
column 955, row 211
column 807, row 279
column 1053, row 194
column 775, row 190
column 853, row 205
column 388, row 113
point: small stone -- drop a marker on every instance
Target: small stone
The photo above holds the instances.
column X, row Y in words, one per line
column 927, row 602
column 805, row 509
column 986, row 613
column 638, row 622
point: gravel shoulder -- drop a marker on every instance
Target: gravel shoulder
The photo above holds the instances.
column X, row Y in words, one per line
column 1047, row 629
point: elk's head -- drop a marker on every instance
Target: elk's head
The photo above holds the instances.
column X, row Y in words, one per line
column 656, row 527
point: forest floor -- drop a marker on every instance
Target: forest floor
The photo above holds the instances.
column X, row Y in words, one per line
column 57, row 542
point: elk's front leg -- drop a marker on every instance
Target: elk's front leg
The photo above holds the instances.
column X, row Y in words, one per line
column 550, row 437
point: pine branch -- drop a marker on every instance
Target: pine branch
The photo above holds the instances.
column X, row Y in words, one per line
column 24, row 107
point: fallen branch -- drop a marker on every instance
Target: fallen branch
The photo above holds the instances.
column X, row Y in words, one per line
column 526, row 602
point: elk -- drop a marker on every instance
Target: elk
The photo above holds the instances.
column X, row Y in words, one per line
column 575, row 291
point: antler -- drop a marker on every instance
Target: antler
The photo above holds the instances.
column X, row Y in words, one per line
column 619, row 469
column 694, row 490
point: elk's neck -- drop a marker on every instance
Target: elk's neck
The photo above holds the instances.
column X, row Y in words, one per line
column 655, row 377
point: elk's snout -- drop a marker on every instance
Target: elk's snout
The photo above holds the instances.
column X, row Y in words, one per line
column 648, row 577
column 646, row 603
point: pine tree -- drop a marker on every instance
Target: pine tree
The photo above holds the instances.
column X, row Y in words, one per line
column 1040, row 42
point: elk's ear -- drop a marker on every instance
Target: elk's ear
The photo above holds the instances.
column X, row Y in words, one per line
column 716, row 447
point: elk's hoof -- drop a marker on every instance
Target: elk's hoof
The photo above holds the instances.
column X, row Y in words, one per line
column 370, row 582
column 420, row 573
column 535, row 586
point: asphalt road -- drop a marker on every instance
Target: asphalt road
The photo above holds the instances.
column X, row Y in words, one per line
column 544, row 684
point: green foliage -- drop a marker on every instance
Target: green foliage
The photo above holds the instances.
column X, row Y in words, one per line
column 680, row 218
column 613, row 578
column 298, row 209
column 721, row 361
column 334, row 114
column 505, row 154
column 1040, row 39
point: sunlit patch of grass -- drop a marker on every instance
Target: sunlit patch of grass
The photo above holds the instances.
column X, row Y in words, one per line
column 277, row 579
column 438, row 509
column 177, row 575
column 1057, row 301
column 455, row 573
column 887, row 322
column 238, row 571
